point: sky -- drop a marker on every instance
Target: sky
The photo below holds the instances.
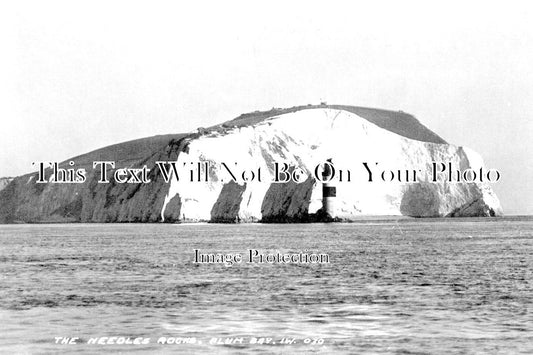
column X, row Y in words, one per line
column 76, row 76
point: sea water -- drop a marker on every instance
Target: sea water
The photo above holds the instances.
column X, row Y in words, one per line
column 395, row 286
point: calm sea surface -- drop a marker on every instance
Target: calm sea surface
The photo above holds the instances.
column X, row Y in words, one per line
column 408, row 286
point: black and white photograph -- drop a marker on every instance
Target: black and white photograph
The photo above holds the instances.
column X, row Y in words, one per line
column 272, row 177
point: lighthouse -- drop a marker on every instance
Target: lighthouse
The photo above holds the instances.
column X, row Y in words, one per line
column 329, row 191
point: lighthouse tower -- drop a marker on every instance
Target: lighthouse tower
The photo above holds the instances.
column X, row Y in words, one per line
column 329, row 191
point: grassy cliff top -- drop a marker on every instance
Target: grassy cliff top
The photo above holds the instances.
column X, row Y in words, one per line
column 136, row 150
column 128, row 152
column 398, row 122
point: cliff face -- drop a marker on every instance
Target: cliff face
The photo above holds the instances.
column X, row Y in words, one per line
column 23, row 200
column 301, row 137
column 4, row 182
column 306, row 138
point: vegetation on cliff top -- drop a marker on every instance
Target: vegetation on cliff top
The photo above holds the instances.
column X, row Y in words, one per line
column 128, row 152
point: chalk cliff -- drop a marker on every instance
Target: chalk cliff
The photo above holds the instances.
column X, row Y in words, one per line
column 302, row 137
